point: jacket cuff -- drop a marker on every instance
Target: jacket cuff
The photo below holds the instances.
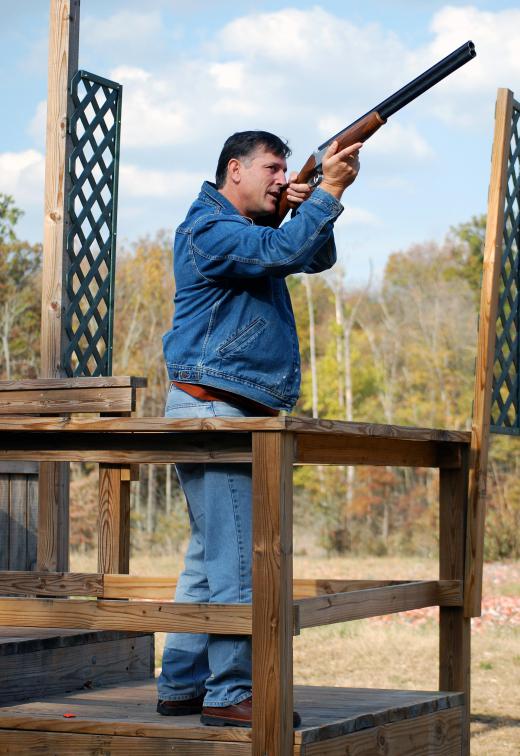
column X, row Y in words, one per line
column 327, row 201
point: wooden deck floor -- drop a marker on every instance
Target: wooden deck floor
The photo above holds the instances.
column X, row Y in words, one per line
column 122, row 720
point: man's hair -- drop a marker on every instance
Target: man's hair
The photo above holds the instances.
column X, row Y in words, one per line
column 245, row 143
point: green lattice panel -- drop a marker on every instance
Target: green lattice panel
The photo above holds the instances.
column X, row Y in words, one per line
column 505, row 402
column 91, row 241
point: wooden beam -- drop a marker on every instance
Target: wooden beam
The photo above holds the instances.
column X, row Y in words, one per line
column 53, row 494
column 373, row 602
column 63, row 63
column 125, row 448
column 64, row 401
column 59, row 384
column 486, row 354
column 51, row 583
column 53, row 515
column 113, row 520
column 67, row 743
column 334, row 449
column 454, row 627
column 308, row 588
column 236, row 425
column 150, row 616
column 272, row 594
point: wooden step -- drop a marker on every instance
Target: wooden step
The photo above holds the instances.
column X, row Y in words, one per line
column 55, row 660
column 122, row 720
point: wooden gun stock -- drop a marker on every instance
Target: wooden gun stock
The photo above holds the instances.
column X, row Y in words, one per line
column 359, row 131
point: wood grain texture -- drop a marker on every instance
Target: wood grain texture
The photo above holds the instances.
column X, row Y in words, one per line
column 53, row 517
column 454, row 627
column 150, row 616
column 430, row 735
column 486, row 354
column 51, row 583
column 63, row 668
column 62, row 401
column 309, row 587
column 4, row 521
column 48, row 384
column 372, row 602
column 129, row 710
column 238, row 424
column 272, row 594
column 26, row 468
column 335, row 449
column 113, row 521
column 63, row 63
column 17, row 522
column 65, row 744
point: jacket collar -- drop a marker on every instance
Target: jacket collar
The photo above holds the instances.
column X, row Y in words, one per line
column 209, row 192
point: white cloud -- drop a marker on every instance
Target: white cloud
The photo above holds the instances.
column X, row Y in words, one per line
column 357, row 216
column 22, row 175
column 142, row 182
column 397, row 139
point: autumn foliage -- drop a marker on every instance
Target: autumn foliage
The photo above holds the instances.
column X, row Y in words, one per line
column 399, row 350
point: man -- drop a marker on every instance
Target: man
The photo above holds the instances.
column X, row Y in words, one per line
column 233, row 351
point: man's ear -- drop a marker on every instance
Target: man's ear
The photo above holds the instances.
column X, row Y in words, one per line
column 233, row 170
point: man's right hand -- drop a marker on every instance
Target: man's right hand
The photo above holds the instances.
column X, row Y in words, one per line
column 340, row 168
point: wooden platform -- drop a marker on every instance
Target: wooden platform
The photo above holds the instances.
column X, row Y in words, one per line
column 335, row 721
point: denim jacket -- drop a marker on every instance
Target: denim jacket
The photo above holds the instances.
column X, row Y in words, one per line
column 233, row 326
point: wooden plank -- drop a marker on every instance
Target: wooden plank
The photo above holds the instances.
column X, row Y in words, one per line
column 55, row 402
column 10, row 468
column 342, row 607
column 454, row 628
column 4, row 521
column 55, row 670
column 63, row 63
column 65, row 744
column 125, row 448
column 436, row 734
column 376, row 430
column 486, row 354
column 236, row 424
column 312, row 448
column 113, row 521
column 151, row 616
column 307, row 588
column 272, row 594
column 103, row 382
column 132, row 586
column 32, row 521
column 17, row 522
column 53, row 517
column 51, row 583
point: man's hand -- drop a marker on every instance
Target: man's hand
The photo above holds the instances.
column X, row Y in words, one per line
column 297, row 193
column 340, row 168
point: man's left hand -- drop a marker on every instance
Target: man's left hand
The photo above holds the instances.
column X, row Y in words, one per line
column 297, row 193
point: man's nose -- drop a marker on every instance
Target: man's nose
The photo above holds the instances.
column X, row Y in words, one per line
column 281, row 178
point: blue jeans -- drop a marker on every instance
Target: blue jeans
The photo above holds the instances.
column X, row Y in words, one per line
column 217, row 569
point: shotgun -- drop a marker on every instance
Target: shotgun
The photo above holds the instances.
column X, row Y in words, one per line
column 363, row 128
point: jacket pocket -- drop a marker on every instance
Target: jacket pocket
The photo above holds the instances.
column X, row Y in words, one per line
column 242, row 340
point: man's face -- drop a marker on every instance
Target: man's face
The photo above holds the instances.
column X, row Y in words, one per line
column 261, row 179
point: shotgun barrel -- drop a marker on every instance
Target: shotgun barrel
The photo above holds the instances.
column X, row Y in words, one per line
column 362, row 128
column 417, row 87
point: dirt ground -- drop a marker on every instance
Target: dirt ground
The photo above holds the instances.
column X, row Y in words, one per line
column 401, row 651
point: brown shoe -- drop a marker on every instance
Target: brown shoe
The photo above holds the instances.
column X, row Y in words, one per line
column 181, row 708
column 237, row 715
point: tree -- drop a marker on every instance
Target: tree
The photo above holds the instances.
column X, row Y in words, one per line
column 20, row 264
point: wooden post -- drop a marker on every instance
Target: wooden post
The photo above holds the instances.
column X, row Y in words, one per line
column 114, row 519
column 486, row 355
column 53, row 495
column 455, row 628
column 272, row 594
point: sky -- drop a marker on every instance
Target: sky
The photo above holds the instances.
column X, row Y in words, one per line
column 193, row 73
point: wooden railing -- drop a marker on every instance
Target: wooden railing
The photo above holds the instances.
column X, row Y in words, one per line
column 281, row 607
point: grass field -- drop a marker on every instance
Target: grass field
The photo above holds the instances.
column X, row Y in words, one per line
column 401, row 651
